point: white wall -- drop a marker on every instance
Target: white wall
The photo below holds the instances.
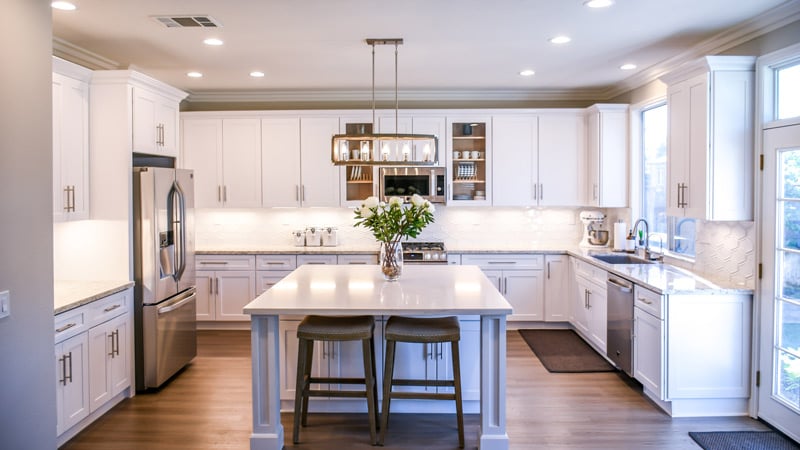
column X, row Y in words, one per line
column 27, row 368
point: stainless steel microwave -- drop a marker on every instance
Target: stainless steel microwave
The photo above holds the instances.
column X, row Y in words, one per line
column 427, row 182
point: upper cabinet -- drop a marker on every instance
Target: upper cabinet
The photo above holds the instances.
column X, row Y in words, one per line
column 515, row 140
column 70, row 141
column 468, row 155
column 710, row 139
column 280, row 161
column 155, row 122
column 358, row 182
column 225, row 155
column 319, row 178
column 607, row 155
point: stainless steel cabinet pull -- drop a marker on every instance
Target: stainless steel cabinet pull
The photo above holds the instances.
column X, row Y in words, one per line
column 303, row 192
column 111, row 308
column 111, row 352
column 272, row 263
column 645, row 301
column 116, row 342
column 548, row 270
column 316, row 262
column 439, row 350
column 224, row 193
column 357, row 262
column 541, row 191
column 588, row 299
column 214, row 262
column 425, row 353
column 63, row 379
column 217, row 286
column 501, row 262
column 66, row 327
column 68, row 377
column 535, row 191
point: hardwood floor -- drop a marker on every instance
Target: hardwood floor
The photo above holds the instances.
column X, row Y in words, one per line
column 208, row 407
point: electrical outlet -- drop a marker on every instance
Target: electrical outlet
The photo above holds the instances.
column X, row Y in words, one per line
column 5, row 304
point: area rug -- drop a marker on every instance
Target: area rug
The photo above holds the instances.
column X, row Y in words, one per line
column 742, row 440
column 564, row 351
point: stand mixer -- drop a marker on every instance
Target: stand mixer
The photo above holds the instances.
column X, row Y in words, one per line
column 592, row 235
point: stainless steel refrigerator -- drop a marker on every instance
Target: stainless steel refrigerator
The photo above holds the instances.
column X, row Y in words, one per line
column 164, row 271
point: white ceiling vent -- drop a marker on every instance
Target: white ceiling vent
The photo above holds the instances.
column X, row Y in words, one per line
column 185, row 21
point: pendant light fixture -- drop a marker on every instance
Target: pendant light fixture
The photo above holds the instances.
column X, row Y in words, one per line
column 384, row 149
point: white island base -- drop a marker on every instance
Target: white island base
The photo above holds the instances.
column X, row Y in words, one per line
column 361, row 290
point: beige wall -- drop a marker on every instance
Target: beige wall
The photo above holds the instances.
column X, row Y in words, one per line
column 27, row 370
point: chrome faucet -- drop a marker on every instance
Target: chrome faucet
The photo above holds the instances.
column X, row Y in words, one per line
column 646, row 253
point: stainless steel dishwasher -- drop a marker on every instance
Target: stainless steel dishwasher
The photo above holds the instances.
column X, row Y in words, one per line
column 620, row 322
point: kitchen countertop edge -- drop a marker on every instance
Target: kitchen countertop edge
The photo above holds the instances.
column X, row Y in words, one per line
column 71, row 294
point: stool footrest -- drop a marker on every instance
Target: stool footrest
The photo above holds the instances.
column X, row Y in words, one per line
column 329, row 393
column 337, row 380
column 423, row 395
column 396, row 382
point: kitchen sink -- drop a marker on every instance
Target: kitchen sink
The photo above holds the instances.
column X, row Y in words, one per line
column 615, row 258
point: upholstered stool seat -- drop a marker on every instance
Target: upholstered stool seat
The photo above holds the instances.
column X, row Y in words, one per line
column 330, row 328
column 428, row 330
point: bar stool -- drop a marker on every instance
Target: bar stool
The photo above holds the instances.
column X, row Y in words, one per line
column 328, row 328
column 427, row 330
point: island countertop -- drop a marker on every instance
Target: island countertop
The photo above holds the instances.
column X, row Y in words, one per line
column 353, row 290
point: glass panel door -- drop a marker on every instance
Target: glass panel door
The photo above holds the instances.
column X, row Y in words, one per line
column 779, row 390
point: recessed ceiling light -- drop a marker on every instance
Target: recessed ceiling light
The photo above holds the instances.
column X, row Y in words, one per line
column 64, row 6
column 194, row 75
column 560, row 40
column 256, row 74
column 598, row 3
column 527, row 73
column 212, row 41
column 627, row 66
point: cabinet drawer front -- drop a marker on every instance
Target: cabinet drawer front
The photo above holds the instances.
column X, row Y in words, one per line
column 591, row 272
column 225, row 262
column 315, row 259
column 109, row 307
column 649, row 301
column 504, row 261
column 276, row 262
column 358, row 259
column 70, row 323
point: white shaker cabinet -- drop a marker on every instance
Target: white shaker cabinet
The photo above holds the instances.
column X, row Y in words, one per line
column 556, row 288
column 519, row 277
column 72, row 388
column 589, row 311
column 109, row 359
column 561, row 144
column 280, row 161
column 319, row 178
column 607, row 155
column 225, row 284
column 225, row 155
column 155, row 123
column 70, row 141
column 515, row 144
column 649, row 340
column 710, row 139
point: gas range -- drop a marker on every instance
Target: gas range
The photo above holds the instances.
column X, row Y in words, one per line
column 424, row 253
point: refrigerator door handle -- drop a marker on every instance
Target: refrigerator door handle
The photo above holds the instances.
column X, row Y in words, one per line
column 178, row 218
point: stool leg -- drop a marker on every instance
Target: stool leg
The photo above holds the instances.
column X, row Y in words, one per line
column 307, row 376
column 388, row 373
column 369, row 385
column 299, row 388
column 374, row 379
column 457, row 386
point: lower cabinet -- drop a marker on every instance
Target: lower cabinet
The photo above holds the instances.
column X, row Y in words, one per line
column 519, row 277
column 225, row 284
column 94, row 360
column 648, row 341
column 556, row 288
column 589, row 309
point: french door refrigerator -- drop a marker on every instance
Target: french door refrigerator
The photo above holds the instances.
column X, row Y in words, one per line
column 164, row 271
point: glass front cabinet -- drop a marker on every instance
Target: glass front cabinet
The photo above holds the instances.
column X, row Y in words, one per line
column 360, row 182
column 468, row 155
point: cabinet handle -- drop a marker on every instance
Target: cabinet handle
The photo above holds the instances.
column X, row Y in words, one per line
column 68, row 377
column 111, row 336
column 210, row 286
column 63, row 361
column 588, row 299
column 535, row 191
column 357, row 262
column 66, row 327
column 548, row 270
column 439, row 350
column 111, row 308
column 217, row 290
column 501, row 262
column 213, row 262
column 224, row 193
column 303, row 192
column 425, row 353
column 541, row 191
column 316, row 262
column 72, row 198
column 116, row 342
column 645, row 301
column 274, row 263
column 505, row 285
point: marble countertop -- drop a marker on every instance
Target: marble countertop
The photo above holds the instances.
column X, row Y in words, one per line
column 287, row 249
column 353, row 290
column 69, row 294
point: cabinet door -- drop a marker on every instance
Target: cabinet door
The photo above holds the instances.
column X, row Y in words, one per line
column 560, row 146
column 167, row 126
column 556, row 288
column 145, row 132
column 677, row 146
column 648, row 351
column 202, row 152
column 206, row 308
column 592, row 158
column 100, row 346
column 280, row 161
column 241, row 163
column 598, row 315
column 414, row 361
column 469, row 354
column 267, row 279
column 346, row 360
column 496, row 277
column 119, row 365
column 288, row 359
column 579, row 311
column 235, row 289
column 320, row 178
column 70, row 148
column 697, row 164
column 524, row 289
column 515, row 144
column 72, row 364
column 469, row 177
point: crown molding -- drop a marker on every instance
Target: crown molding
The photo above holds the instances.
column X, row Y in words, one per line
column 771, row 20
column 79, row 55
column 365, row 96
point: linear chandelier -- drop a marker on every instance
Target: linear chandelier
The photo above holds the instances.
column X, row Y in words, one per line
column 384, row 149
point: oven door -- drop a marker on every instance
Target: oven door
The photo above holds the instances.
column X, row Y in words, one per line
column 170, row 337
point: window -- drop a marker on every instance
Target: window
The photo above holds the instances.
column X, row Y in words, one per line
column 787, row 80
column 676, row 234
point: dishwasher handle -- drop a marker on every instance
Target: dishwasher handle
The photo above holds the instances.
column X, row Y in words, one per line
column 622, row 285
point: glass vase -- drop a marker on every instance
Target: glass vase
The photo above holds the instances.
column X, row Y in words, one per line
column 391, row 260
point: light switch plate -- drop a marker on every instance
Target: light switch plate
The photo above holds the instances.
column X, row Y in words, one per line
column 5, row 304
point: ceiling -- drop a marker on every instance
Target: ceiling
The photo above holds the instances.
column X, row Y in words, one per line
column 456, row 46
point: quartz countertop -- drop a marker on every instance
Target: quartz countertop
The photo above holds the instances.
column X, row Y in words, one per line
column 354, row 290
column 287, row 249
column 70, row 294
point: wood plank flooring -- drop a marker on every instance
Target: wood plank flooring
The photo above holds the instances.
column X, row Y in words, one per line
column 208, row 407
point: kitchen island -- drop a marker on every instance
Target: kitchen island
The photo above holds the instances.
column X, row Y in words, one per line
column 358, row 290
